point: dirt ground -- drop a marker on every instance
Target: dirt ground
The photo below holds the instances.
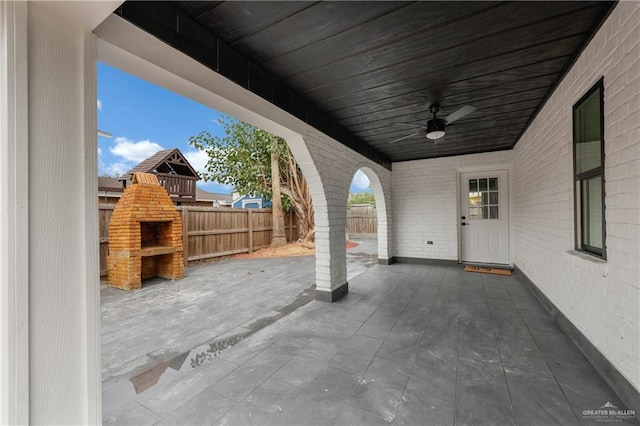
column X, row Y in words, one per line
column 291, row 249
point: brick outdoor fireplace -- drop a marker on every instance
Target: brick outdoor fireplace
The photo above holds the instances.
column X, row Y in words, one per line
column 145, row 235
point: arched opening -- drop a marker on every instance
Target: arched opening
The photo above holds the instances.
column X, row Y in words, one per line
column 366, row 222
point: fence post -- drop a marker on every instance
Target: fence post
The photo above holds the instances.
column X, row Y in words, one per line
column 185, row 235
column 250, row 230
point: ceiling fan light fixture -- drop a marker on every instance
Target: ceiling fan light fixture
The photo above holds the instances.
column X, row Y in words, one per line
column 435, row 128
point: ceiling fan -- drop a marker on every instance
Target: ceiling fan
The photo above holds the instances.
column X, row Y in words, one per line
column 436, row 126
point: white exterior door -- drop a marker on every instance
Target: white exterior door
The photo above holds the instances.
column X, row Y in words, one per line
column 484, row 217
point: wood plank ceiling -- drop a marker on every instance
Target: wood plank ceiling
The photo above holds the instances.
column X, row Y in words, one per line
column 375, row 67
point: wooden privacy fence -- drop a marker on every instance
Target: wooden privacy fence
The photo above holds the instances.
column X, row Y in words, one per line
column 104, row 215
column 362, row 222
column 211, row 232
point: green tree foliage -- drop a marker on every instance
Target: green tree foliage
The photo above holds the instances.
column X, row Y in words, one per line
column 361, row 198
column 242, row 158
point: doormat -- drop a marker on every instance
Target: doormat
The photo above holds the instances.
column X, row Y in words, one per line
column 485, row 270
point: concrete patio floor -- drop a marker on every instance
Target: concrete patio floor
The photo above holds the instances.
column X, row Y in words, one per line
column 242, row 342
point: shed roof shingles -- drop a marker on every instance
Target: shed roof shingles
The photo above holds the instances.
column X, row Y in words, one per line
column 151, row 163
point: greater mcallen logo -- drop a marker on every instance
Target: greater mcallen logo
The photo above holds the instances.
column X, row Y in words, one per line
column 609, row 413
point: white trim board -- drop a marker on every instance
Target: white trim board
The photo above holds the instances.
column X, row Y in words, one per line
column 14, row 218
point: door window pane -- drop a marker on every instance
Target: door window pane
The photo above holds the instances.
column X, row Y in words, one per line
column 475, row 199
column 493, row 212
column 483, row 198
column 475, row 213
column 493, row 184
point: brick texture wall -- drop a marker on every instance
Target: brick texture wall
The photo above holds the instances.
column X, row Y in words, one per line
column 329, row 168
column 144, row 203
column 601, row 298
column 425, row 203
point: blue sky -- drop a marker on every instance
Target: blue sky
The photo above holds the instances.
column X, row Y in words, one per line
column 145, row 118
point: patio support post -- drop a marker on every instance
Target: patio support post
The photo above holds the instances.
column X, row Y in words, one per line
column 331, row 266
column 60, row 146
column 326, row 179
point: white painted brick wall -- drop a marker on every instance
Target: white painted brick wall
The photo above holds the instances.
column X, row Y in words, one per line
column 334, row 166
column 600, row 298
column 425, row 203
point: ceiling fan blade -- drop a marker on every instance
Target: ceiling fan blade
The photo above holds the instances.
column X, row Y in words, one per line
column 404, row 137
column 464, row 111
column 473, row 125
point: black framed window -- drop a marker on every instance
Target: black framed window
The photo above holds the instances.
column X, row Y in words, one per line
column 588, row 169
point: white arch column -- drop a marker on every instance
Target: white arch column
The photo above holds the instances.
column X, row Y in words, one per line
column 331, row 262
column 334, row 166
column 328, row 186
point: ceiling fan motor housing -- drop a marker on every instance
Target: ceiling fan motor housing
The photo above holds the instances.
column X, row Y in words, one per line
column 435, row 128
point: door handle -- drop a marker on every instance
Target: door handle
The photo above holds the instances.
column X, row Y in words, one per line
column 465, row 224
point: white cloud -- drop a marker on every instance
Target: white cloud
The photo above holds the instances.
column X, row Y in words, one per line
column 134, row 151
column 360, row 182
column 198, row 159
column 99, row 152
column 99, row 105
column 117, row 169
column 113, row 169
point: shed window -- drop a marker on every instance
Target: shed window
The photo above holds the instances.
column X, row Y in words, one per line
column 588, row 160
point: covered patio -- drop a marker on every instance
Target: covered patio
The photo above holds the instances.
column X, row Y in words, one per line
column 538, row 171
column 408, row 345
